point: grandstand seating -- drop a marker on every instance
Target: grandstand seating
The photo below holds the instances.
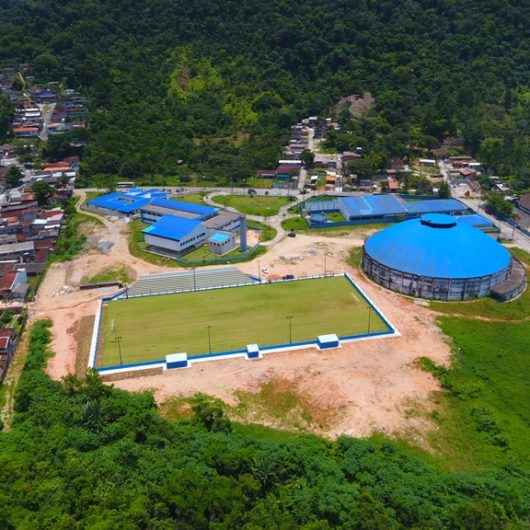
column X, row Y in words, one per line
column 173, row 282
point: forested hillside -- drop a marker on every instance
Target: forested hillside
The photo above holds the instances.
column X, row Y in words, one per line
column 216, row 84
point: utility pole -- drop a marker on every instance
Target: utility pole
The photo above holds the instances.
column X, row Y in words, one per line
column 117, row 341
column 290, row 319
column 209, row 339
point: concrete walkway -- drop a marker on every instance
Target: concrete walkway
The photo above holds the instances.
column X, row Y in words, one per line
column 274, row 220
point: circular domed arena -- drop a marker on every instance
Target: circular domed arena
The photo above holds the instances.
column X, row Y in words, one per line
column 436, row 257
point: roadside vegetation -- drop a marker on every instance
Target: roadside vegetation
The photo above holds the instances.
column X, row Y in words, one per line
column 297, row 224
column 263, row 206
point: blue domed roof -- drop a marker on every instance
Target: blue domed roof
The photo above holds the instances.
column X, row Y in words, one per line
column 438, row 246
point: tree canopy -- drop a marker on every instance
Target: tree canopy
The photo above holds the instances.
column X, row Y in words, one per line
column 217, row 84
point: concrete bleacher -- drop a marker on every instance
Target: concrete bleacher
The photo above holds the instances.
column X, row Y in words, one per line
column 174, row 282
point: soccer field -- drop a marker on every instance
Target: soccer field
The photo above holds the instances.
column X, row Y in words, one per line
column 218, row 320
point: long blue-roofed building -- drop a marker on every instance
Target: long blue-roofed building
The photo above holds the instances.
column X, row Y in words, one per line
column 176, row 226
column 161, row 206
column 437, row 257
column 385, row 208
column 125, row 203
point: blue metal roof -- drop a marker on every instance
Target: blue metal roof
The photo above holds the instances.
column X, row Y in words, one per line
column 128, row 201
column 370, row 205
column 474, row 220
column 435, row 205
column 219, row 237
column 203, row 211
column 423, row 247
column 391, row 205
column 172, row 227
column 119, row 202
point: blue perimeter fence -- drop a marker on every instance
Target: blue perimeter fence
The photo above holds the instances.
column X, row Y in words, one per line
column 241, row 352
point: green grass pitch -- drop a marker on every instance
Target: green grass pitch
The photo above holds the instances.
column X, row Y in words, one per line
column 151, row 327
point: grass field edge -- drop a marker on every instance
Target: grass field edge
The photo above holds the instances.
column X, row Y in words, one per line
column 390, row 331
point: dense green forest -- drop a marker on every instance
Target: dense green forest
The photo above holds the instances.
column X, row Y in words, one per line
column 210, row 88
column 84, row 455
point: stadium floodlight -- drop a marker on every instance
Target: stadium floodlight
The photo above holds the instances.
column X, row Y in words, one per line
column 290, row 319
column 117, row 341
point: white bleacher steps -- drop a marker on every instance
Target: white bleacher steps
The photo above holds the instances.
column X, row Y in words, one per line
column 174, row 282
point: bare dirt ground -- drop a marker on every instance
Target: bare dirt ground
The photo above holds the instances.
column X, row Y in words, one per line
column 60, row 300
column 373, row 383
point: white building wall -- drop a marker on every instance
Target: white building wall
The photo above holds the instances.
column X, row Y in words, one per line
column 162, row 242
column 194, row 238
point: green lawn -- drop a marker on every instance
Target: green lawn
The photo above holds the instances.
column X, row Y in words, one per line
column 299, row 224
column 263, row 206
column 195, row 198
column 152, row 327
column 204, row 253
column 484, row 413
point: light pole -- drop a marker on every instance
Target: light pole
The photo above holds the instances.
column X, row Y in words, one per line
column 209, row 339
column 259, row 270
column 117, row 340
column 290, row 319
column 194, row 279
column 369, row 318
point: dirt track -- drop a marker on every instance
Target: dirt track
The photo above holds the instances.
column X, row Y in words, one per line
column 373, row 383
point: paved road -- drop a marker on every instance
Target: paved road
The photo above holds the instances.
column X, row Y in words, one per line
column 179, row 190
column 47, row 113
column 303, row 172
